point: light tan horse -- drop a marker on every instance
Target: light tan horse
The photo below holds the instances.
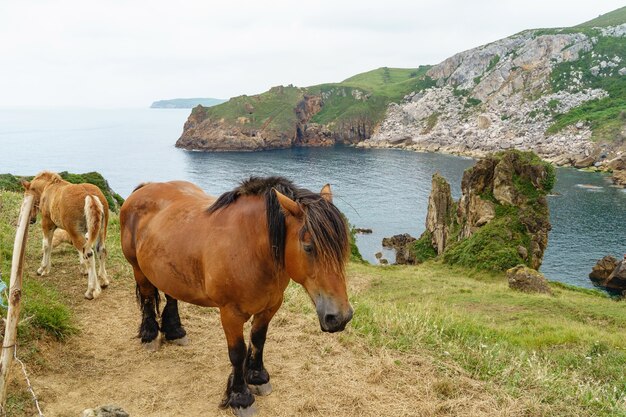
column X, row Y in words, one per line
column 83, row 212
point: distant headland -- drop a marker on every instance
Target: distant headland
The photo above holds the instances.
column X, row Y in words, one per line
column 186, row 103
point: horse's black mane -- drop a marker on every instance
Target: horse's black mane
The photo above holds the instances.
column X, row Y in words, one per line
column 323, row 220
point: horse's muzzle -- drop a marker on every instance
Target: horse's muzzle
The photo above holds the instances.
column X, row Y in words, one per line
column 332, row 318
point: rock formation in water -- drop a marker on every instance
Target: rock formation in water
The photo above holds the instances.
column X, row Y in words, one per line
column 402, row 244
column 610, row 273
column 500, row 221
column 440, row 214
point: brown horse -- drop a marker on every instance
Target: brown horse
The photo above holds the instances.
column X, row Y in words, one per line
column 236, row 253
column 83, row 212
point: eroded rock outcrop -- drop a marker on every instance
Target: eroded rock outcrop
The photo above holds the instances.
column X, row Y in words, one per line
column 441, row 210
column 609, row 273
column 603, row 269
column 501, row 219
column 402, row 244
column 525, row 279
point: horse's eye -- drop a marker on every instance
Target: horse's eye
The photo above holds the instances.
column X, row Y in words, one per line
column 308, row 248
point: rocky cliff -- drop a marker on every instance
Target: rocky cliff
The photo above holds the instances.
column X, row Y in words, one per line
column 558, row 92
column 321, row 115
column 517, row 93
column 501, row 219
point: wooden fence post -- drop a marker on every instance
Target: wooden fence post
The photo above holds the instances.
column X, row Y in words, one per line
column 15, row 295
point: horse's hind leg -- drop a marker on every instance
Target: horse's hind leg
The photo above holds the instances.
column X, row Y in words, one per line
column 102, row 256
column 257, row 377
column 148, row 297
column 47, row 228
column 83, row 265
column 170, row 323
column 93, row 286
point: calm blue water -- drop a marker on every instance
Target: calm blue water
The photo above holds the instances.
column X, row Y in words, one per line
column 385, row 190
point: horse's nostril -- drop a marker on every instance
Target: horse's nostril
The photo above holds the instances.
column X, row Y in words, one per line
column 331, row 320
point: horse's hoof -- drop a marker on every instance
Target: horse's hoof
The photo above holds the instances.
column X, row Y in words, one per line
column 42, row 272
column 245, row 412
column 262, row 390
column 182, row 341
column 153, row 346
column 103, row 285
column 92, row 294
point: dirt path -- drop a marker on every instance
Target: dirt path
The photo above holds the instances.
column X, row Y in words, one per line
column 313, row 374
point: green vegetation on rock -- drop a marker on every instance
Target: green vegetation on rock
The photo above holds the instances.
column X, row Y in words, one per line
column 518, row 227
column 604, row 116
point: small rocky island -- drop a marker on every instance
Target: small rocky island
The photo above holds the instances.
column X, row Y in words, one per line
column 500, row 221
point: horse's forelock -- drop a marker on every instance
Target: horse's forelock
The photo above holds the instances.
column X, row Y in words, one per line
column 328, row 230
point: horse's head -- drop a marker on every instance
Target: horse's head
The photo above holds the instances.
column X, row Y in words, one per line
column 35, row 188
column 316, row 250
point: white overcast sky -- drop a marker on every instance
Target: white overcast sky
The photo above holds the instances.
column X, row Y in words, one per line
column 128, row 53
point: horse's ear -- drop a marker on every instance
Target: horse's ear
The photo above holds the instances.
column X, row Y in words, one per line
column 288, row 205
column 326, row 193
column 25, row 184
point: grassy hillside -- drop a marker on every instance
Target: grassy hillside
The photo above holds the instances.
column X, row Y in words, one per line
column 616, row 17
column 362, row 97
column 273, row 109
column 560, row 355
column 378, row 88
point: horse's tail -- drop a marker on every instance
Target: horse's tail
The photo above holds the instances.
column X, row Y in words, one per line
column 94, row 214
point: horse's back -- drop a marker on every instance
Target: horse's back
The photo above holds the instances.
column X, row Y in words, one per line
column 157, row 199
column 65, row 204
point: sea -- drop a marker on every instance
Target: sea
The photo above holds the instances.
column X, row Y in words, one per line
column 381, row 189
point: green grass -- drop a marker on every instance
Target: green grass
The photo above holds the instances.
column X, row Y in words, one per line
column 42, row 310
column 616, row 17
column 272, row 110
column 565, row 352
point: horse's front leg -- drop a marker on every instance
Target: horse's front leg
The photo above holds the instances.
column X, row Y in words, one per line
column 257, row 377
column 238, row 395
column 47, row 229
